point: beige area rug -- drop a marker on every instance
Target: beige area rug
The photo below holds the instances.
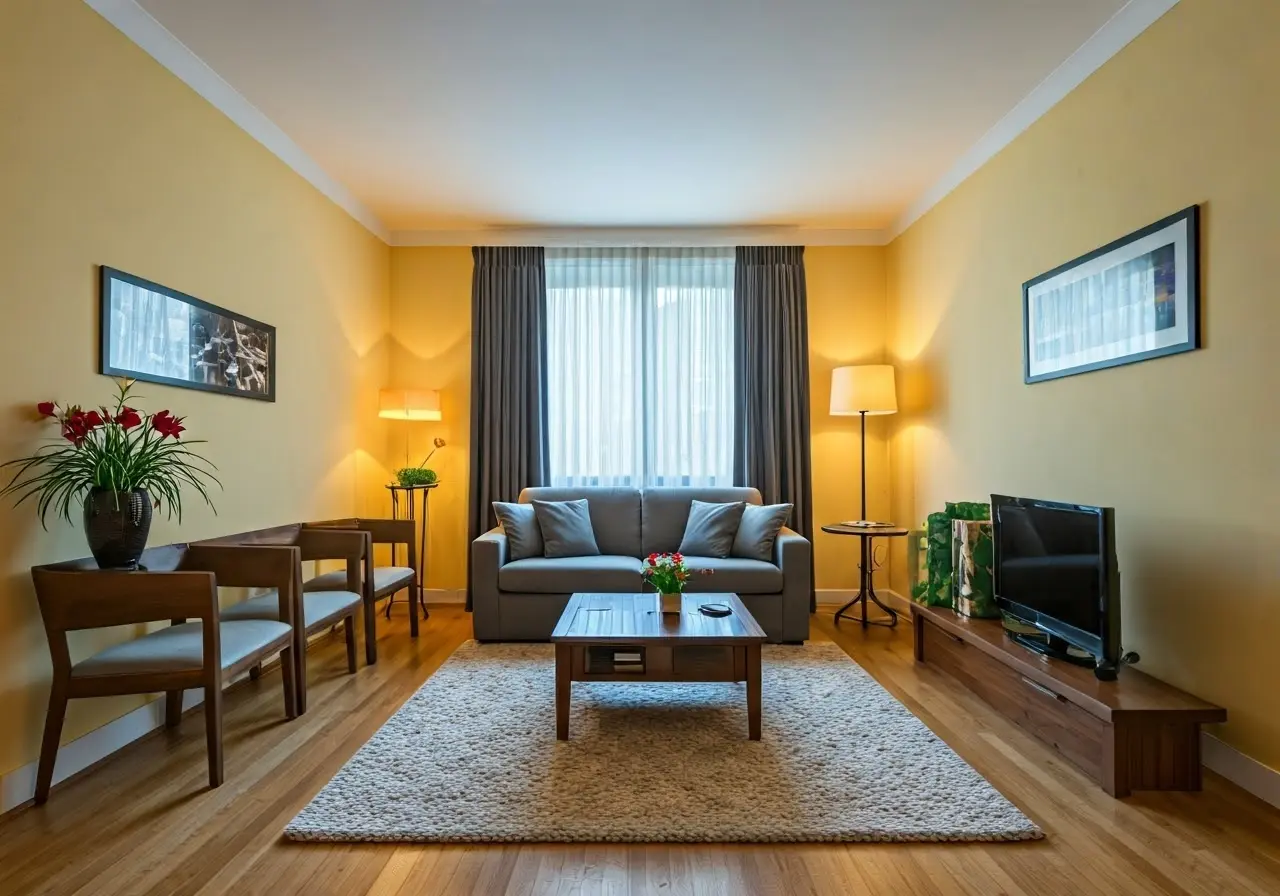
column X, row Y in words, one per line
column 472, row 756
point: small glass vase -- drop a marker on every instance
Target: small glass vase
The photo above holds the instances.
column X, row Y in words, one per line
column 670, row 603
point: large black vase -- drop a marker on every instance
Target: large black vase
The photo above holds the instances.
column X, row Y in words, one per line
column 116, row 525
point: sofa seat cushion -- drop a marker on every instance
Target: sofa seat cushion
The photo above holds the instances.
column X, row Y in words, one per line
column 316, row 606
column 734, row 574
column 385, row 580
column 565, row 575
column 180, row 648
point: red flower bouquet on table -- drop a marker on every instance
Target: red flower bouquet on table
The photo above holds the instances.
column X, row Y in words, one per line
column 117, row 462
column 669, row 575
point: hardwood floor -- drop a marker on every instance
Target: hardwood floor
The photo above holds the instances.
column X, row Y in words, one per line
column 144, row 823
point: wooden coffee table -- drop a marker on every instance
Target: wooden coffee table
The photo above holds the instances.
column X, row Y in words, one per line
column 623, row 637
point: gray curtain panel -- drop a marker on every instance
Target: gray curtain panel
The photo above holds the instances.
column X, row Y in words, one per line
column 771, row 379
column 508, row 380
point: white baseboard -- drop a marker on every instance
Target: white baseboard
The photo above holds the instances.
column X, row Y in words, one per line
column 445, row 595
column 1243, row 771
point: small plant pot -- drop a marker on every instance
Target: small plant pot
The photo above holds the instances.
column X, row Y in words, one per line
column 670, row 603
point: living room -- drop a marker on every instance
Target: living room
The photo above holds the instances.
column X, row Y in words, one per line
column 444, row 267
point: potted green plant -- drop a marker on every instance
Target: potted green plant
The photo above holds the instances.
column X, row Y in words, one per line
column 116, row 464
column 420, row 475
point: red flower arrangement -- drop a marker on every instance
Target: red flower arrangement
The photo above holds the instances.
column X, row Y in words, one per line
column 118, row 450
column 668, row 572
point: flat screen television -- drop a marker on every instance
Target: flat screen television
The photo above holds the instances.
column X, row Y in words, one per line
column 1055, row 569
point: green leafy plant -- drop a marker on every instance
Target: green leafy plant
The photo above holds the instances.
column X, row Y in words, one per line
column 408, row 476
column 420, row 475
column 118, row 450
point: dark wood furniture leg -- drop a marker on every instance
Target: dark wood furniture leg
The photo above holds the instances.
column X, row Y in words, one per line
column 753, row 691
column 564, row 685
column 213, row 731
column 370, row 632
column 172, row 708
column 349, row 634
column 52, row 737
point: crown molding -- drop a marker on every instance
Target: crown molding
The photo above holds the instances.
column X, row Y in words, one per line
column 140, row 27
column 640, row 236
column 1132, row 19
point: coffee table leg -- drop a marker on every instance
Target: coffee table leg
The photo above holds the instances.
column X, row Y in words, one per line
column 564, row 668
column 753, row 692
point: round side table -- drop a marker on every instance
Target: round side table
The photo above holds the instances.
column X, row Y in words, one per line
column 866, row 590
column 410, row 511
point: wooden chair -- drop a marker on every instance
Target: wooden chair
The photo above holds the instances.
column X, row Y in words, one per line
column 316, row 611
column 379, row 581
column 179, row 584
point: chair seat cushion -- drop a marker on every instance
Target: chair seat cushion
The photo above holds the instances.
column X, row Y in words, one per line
column 565, row 575
column 180, row 648
column 734, row 574
column 316, row 606
column 386, row 579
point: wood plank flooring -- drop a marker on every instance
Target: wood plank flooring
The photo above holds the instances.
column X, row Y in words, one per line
column 144, row 823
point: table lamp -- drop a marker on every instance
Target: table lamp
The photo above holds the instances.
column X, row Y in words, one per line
column 862, row 390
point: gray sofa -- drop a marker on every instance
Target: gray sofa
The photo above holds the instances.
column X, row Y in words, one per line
column 522, row 600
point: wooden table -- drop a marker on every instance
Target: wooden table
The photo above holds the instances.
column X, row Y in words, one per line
column 624, row 637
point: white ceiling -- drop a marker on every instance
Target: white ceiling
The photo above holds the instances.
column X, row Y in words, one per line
column 461, row 114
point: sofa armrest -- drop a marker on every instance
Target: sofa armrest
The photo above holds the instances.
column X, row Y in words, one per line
column 489, row 554
column 791, row 549
column 793, row 554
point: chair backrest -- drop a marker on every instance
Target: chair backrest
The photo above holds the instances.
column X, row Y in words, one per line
column 77, row 595
column 615, row 514
column 665, row 512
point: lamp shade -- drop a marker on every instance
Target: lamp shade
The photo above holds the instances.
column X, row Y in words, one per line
column 867, row 388
column 409, row 404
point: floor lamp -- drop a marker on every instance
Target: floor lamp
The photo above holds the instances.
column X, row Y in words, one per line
column 862, row 391
column 414, row 405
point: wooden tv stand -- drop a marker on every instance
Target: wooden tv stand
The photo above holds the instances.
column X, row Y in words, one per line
column 1134, row 733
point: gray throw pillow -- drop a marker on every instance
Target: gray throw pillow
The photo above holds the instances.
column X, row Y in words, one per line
column 759, row 530
column 711, row 528
column 566, row 528
column 520, row 523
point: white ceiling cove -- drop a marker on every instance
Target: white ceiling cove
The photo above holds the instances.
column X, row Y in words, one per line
column 447, row 116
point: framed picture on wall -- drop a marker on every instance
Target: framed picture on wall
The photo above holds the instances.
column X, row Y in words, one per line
column 1131, row 300
column 153, row 333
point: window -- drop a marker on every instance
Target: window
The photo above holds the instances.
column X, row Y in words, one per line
column 640, row 366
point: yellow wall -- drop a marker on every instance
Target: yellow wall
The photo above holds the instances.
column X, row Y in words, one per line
column 431, row 349
column 106, row 158
column 1183, row 447
column 847, row 325
column 431, row 329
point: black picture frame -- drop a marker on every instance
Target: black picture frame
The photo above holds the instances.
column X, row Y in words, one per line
column 1184, row 231
column 210, row 318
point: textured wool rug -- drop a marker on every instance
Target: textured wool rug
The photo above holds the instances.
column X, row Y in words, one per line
column 473, row 756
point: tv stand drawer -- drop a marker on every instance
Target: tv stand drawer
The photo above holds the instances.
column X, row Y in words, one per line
column 1040, row 710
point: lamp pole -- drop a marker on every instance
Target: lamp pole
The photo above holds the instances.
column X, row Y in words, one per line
column 863, row 415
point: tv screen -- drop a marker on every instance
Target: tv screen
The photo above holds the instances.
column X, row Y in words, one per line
column 1055, row 568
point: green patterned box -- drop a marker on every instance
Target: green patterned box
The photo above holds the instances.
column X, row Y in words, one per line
column 973, row 557
column 937, row 590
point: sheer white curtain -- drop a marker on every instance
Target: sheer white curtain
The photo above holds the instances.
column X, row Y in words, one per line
column 640, row 366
